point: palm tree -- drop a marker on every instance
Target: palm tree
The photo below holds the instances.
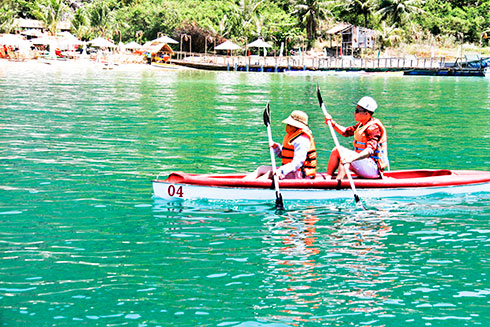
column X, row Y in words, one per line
column 7, row 17
column 101, row 17
column 362, row 7
column 398, row 10
column 80, row 24
column 246, row 13
column 223, row 29
column 309, row 13
column 50, row 12
column 389, row 34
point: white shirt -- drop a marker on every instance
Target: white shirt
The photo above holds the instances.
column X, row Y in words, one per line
column 301, row 146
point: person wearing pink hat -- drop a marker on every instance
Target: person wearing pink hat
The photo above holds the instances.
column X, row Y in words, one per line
column 370, row 155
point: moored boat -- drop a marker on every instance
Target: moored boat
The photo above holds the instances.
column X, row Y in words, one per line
column 169, row 66
column 180, row 185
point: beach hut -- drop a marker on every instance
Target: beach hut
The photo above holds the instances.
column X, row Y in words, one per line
column 23, row 24
column 157, row 51
column 353, row 38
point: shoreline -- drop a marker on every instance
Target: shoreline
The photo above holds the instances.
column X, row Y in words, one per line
column 76, row 63
column 360, row 66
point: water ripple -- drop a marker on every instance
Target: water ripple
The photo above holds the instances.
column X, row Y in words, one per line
column 83, row 242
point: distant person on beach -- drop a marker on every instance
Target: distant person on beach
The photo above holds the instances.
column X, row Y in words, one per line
column 298, row 151
column 370, row 155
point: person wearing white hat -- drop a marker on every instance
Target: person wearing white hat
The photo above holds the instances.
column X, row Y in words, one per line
column 370, row 155
column 298, row 151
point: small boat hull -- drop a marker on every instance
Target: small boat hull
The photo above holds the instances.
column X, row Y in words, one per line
column 395, row 184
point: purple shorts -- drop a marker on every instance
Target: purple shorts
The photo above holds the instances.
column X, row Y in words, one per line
column 366, row 168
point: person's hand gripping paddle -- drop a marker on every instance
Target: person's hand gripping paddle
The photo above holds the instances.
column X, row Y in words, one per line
column 267, row 122
column 336, row 141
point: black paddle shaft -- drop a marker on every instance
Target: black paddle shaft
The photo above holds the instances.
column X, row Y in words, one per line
column 319, row 95
column 267, row 115
column 267, row 122
column 336, row 141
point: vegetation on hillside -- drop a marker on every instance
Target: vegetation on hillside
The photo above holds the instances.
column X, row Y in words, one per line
column 295, row 22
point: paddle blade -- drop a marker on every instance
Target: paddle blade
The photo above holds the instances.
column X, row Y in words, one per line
column 358, row 202
column 319, row 95
column 279, row 202
column 267, row 115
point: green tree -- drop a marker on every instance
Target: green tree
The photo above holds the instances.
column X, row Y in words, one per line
column 245, row 14
column 309, row 13
column 389, row 35
column 451, row 18
column 80, row 24
column 150, row 18
column 7, row 17
column 101, row 17
column 363, row 8
column 399, row 11
column 50, row 12
column 276, row 20
column 465, row 3
column 279, row 25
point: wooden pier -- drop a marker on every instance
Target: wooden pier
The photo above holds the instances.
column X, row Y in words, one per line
column 408, row 65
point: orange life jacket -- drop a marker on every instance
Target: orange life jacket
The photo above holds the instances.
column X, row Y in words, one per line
column 380, row 154
column 309, row 166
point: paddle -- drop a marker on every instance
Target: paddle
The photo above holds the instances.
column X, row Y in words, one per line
column 336, row 141
column 267, row 122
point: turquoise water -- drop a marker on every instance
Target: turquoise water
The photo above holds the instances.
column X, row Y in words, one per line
column 83, row 242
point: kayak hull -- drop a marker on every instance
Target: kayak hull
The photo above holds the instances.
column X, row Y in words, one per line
column 184, row 186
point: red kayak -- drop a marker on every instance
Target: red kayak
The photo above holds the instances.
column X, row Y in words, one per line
column 179, row 185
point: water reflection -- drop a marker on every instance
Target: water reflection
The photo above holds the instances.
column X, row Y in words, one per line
column 325, row 270
column 292, row 256
column 358, row 254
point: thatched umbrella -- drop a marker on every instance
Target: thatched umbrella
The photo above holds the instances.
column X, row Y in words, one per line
column 259, row 43
column 165, row 39
column 101, row 43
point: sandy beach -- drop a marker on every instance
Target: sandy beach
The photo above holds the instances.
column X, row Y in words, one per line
column 74, row 65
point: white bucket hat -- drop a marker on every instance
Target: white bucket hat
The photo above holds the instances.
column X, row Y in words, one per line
column 298, row 119
column 368, row 103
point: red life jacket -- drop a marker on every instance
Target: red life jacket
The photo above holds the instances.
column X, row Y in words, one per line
column 309, row 166
column 380, row 154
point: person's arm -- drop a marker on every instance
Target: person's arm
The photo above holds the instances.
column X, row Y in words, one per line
column 344, row 131
column 277, row 149
column 301, row 147
column 351, row 157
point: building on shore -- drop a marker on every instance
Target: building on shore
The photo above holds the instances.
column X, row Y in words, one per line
column 350, row 39
column 26, row 24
